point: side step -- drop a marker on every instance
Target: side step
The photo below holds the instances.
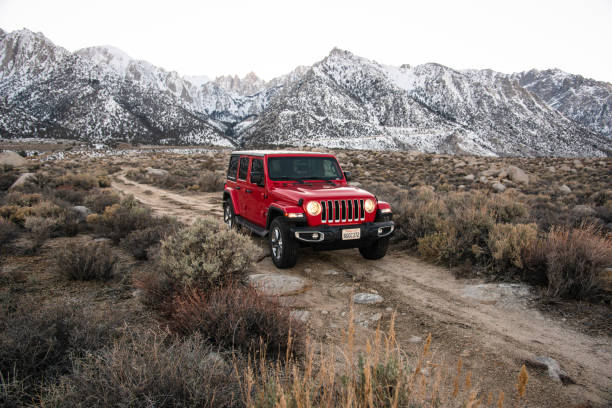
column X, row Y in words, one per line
column 262, row 232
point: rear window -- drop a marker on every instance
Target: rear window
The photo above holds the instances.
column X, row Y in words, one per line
column 256, row 167
column 244, row 167
column 233, row 168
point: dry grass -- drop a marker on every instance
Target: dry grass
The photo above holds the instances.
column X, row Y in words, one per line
column 94, row 261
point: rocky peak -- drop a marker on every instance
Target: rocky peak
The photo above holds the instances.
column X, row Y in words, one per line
column 248, row 85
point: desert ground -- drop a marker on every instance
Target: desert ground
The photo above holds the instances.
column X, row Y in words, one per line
column 486, row 317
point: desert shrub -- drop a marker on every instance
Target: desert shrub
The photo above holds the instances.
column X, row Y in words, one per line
column 119, row 220
column 16, row 213
column 7, row 178
column 22, row 199
column 70, row 195
column 206, row 254
column 436, row 247
column 417, row 214
column 571, row 260
column 211, row 181
column 68, row 223
column 99, row 200
column 149, row 369
column 140, row 241
column 8, row 232
column 156, row 291
column 46, row 208
column 508, row 243
column 94, row 261
column 79, row 181
column 507, row 208
column 40, row 228
column 37, row 345
column 238, row 318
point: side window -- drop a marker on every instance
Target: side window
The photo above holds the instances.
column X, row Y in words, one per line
column 256, row 169
column 233, row 168
column 244, row 167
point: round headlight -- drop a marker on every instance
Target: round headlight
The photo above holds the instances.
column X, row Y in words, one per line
column 313, row 208
column 369, row 205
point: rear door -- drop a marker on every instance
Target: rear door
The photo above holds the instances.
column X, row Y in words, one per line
column 242, row 185
column 257, row 207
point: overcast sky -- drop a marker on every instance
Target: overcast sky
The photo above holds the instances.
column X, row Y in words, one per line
column 273, row 37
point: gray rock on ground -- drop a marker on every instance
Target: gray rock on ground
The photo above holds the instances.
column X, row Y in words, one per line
column 301, row 315
column 498, row 187
column 367, row 298
column 21, row 180
column 82, row 211
column 551, row 366
column 583, row 210
column 518, row 175
column 156, row 172
column 278, row 285
column 469, row 177
column 565, row 189
column 12, row 159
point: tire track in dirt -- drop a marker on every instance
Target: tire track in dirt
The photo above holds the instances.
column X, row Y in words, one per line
column 493, row 333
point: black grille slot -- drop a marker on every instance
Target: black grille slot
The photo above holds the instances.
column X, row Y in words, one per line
column 356, row 210
column 349, row 210
column 323, row 213
column 343, row 203
column 330, row 211
column 361, row 209
column 337, row 211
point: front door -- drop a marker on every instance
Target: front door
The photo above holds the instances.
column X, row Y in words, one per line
column 242, row 186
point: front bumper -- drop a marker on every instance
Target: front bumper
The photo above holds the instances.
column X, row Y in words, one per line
column 328, row 234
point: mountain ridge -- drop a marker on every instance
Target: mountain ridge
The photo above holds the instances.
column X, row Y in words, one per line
column 101, row 94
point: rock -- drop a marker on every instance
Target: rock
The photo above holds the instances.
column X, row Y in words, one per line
column 565, row 189
column 82, row 211
column 483, row 179
column 367, row 298
column 517, row 175
column 551, row 366
column 21, row 180
column 498, row 187
column 469, row 177
column 12, row 159
column 552, row 169
column 354, row 183
column 502, row 174
column 489, row 173
column 578, row 164
column 583, row 210
column 100, row 240
column 330, row 272
column 389, row 309
column 156, row 172
column 376, row 317
column 307, row 270
column 277, row 285
column 415, row 339
column 565, row 167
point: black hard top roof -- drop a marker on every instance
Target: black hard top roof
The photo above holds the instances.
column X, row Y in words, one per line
column 273, row 152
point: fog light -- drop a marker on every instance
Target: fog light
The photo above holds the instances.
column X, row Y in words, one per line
column 380, row 231
column 315, row 235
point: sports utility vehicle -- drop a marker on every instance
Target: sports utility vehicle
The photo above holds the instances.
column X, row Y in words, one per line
column 303, row 199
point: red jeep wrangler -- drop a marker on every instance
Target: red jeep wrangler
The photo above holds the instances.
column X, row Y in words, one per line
column 303, row 199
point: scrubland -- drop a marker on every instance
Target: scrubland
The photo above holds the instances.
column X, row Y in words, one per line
column 105, row 303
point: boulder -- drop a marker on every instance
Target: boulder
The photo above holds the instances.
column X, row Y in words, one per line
column 565, row 167
column 498, row 187
column 278, row 285
column 578, row 164
column 156, row 172
column 517, row 175
column 82, row 211
column 483, row 179
column 301, row 315
column 469, row 177
column 584, row 210
column 12, row 159
column 502, row 174
column 22, row 180
column 367, row 298
column 565, row 189
column 551, row 366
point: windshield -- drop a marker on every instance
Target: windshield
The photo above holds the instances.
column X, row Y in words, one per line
column 303, row 168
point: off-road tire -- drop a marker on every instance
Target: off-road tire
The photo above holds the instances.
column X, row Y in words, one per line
column 283, row 248
column 229, row 216
column 376, row 250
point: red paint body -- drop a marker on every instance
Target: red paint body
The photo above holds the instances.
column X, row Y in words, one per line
column 253, row 202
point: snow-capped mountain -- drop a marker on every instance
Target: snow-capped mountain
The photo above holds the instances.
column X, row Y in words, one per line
column 583, row 100
column 102, row 94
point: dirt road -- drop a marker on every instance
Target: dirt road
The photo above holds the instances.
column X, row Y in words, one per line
column 491, row 326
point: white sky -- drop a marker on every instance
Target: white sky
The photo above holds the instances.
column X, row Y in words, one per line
column 272, row 37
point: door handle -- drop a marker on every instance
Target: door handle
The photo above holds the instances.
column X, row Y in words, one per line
column 237, row 187
column 249, row 191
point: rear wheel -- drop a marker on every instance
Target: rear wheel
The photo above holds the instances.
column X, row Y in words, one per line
column 283, row 249
column 229, row 217
column 376, row 250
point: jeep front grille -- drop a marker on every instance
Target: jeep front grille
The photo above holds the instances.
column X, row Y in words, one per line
column 338, row 211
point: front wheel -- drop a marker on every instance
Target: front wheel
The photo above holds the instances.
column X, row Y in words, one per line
column 376, row 250
column 229, row 217
column 283, row 249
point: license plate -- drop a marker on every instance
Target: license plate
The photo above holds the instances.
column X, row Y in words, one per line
column 354, row 233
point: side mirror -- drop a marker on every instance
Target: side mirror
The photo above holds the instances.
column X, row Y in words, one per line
column 347, row 175
column 257, row 178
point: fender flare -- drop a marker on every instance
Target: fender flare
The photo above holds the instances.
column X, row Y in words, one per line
column 232, row 195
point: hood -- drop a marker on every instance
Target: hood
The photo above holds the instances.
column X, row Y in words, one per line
column 319, row 191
